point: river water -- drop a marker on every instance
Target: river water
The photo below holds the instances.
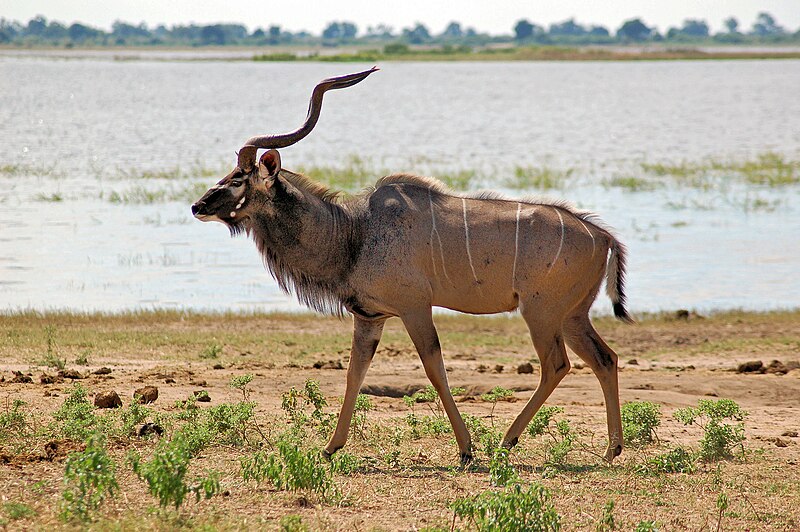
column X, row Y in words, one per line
column 76, row 135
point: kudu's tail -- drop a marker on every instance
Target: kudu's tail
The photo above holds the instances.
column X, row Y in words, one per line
column 615, row 280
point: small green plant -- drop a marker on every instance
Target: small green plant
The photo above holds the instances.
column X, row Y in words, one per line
column 430, row 397
column 363, row 405
column 501, row 471
column 76, row 416
column 50, row 357
column 293, row 523
column 83, row 358
column 541, row 178
column 678, row 460
column 291, row 469
column 165, row 473
column 295, row 403
column 240, row 383
column 14, row 420
column 722, row 504
column 18, row 510
column 486, row 436
column 561, row 438
column 515, row 508
column 607, row 521
column 345, row 463
column 131, row 416
column 646, row 526
column 89, row 477
column 211, row 351
column 639, row 422
column 498, row 393
column 720, row 437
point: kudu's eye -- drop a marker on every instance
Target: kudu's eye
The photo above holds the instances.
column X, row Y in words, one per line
column 236, row 183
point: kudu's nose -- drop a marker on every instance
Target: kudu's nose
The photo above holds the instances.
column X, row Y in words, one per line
column 195, row 208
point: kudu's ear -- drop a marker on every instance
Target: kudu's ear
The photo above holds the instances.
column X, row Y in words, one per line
column 247, row 158
column 270, row 164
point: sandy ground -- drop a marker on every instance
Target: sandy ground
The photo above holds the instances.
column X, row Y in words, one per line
column 670, row 361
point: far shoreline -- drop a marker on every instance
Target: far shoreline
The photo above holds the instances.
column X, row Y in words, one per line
column 368, row 54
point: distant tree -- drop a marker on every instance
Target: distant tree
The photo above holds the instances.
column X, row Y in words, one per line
column 523, row 30
column 567, row 28
column 381, row 31
column 695, row 28
column 732, row 25
column 258, row 34
column 599, row 31
column 212, row 35
column 634, row 30
column 765, row 25
column 274, row 34
column 340, row 31
column 419, row 34
column 36, row 26
column 453, row 31
column 56, row 31
column 79, row 33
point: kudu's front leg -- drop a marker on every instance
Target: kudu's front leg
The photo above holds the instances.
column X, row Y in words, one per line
column 366, row 335
column 423, row 333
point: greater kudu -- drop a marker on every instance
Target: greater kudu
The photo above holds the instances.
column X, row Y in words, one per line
column 410, row 244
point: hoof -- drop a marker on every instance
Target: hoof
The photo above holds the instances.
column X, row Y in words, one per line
column 329, row 455
column 613, row 452
column 466, row 458
column 510, row 444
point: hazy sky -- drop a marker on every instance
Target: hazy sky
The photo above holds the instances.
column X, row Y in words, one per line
column 495, row 17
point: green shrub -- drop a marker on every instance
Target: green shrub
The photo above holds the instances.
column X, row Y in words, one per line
column 291, row 469
column 486, row 436
column 165, row 473
column 363, row 405
column 76, row 416
column 607, row 521
column 719, row 437
column 646, row 526
column 293, row 523
column 677, row 460
column 501, row 472
column 498, row 393
column 18, row 510
column 89, row 477
column 639, row 421
column 295, row 403
column 211, row 351
column 515, row 508
column 14, row 420
column 560, row 436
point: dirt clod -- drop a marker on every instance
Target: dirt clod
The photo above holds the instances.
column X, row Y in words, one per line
column 102, row 371
column 107, row 400
column 146, row 395
column 498, row 368
column 70, row 374
column 790, row 433
column 20, row 377
column 752, row 366
column 330, row 364
column 777, row 367
column 202, row 396
column 218, row 366
column 45, row 378
column 150, row 428
column 633, row 362
column 525, row 368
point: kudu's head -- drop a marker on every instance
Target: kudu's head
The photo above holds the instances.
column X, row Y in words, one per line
column 229, row 201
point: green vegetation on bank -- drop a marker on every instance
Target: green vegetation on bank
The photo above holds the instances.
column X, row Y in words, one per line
column 38, row 31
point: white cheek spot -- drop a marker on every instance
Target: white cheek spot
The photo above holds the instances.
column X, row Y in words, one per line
column 233, row 214
column 241, row 202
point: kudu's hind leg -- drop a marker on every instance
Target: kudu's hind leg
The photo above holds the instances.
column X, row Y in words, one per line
column 423, row 333
column 549, row 347
column 366, row 336
column 584, row 340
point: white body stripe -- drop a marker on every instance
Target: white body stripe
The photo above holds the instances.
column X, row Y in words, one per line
column 466, row 237
column 561, row 243
column 590, row 235
column 516, row 250
column 435, row 232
